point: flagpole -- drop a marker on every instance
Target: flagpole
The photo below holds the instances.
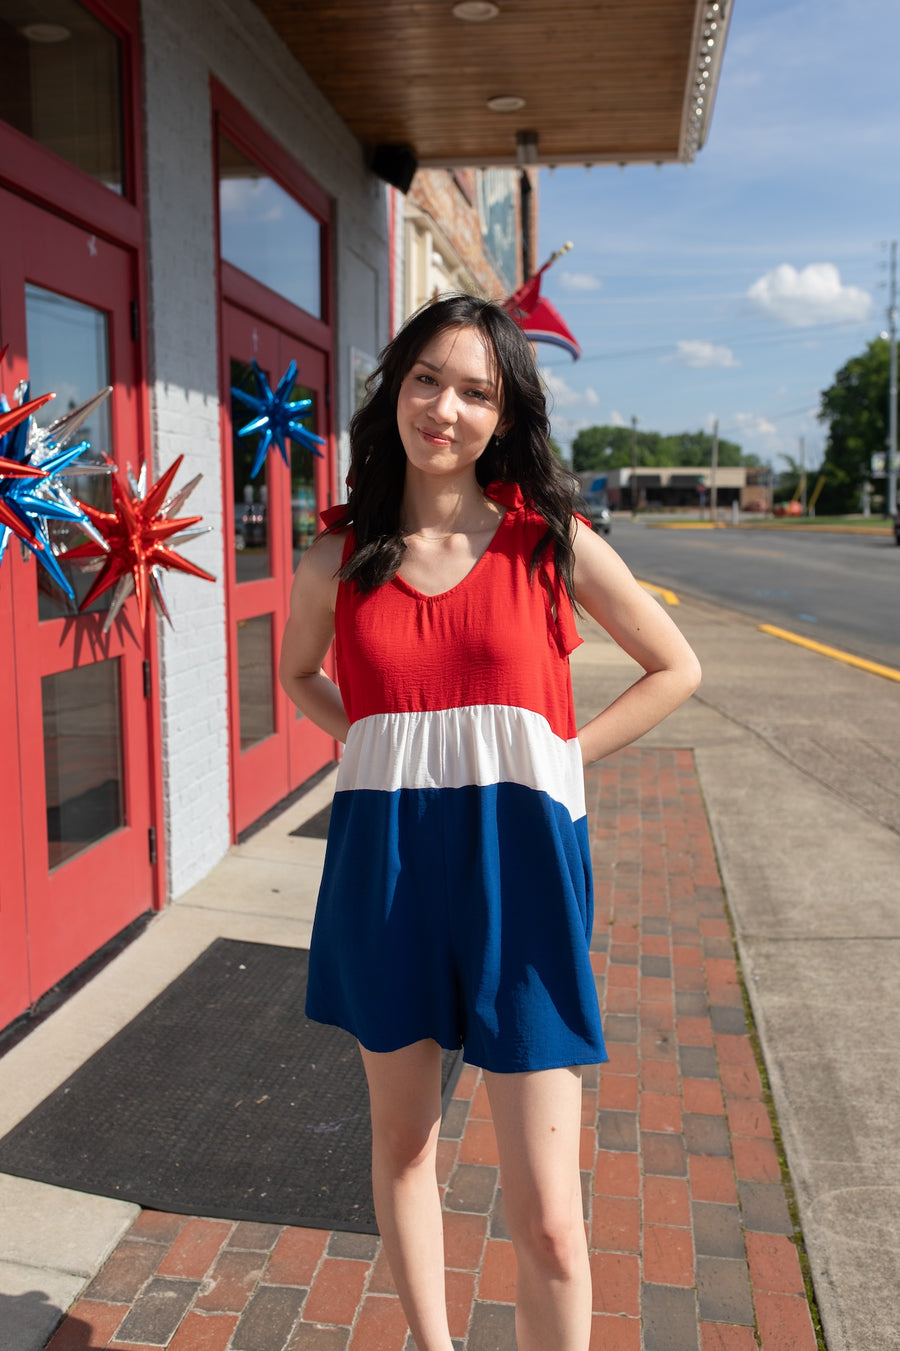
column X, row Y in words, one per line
column 512, row 302
column 552, row 259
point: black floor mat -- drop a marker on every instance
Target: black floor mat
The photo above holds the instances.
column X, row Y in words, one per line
column 219, row 1099
column 316, row 827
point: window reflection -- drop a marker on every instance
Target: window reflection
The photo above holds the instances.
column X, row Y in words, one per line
column 266, row 232
column 255, row 676
column 61, row 84
column 304, row 518
column 82, row 757
column 303, row 493
column 251, row 496
column 68, row 352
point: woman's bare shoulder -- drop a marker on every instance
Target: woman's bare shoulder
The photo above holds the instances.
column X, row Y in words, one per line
column 326, row 552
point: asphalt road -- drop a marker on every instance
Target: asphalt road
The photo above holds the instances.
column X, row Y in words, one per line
column 838, row 589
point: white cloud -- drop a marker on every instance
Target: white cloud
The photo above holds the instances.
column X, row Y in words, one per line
column 696, row 352
column 579, row 281
column 564, row 395
column 616, row 419
column 814, row 295
column 255, row 200
column 752, row 424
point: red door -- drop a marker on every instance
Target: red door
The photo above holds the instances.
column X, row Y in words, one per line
column 77, row 853
column 270, row 519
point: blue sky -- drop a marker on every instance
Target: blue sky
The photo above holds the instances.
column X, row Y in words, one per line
column 737, row 286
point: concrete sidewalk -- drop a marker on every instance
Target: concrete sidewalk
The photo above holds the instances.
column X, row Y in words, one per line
column 690, row 1229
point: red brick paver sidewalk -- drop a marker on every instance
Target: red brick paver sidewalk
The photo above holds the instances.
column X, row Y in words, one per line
column 691, row 1241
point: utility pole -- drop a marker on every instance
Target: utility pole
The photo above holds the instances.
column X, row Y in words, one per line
column 803, row 475
column 634, row 483
column 713, row 472
column 891, row 483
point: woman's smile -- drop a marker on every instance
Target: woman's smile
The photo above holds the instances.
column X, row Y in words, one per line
column 449, row 405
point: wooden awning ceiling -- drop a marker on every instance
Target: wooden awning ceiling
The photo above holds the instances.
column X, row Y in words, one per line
column 602, row 80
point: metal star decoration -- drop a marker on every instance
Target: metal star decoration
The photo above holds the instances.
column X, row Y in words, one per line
column 276, row 416
column 138, row 535
column 31, row 460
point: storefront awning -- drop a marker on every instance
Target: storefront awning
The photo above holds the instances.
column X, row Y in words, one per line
column 479, row 84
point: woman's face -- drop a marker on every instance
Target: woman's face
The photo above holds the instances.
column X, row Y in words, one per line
column 450, row 403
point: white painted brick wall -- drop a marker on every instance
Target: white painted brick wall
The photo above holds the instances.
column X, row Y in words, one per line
column 184, row 43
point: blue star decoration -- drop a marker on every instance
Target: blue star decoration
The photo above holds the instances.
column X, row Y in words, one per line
column 276, row 416
column 32, row 495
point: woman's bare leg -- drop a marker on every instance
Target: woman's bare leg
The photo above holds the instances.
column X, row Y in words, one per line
column 405, row 1097
column 537, row 1118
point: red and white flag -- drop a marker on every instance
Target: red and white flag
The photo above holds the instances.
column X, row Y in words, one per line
column 539, row 320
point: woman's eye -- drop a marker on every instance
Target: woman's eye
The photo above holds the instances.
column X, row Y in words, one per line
column 478, row 394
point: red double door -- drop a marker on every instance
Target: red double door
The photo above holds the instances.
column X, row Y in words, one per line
column 76, row 822
column 79, row 764
column 271, row 517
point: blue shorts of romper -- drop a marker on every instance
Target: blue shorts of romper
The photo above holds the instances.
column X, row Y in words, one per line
column 463, row 915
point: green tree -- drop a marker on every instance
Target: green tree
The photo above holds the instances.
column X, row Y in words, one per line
column 610, row 448
column 601, row 448
column 855, row 408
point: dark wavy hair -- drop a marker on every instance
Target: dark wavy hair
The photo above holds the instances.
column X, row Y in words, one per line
column 522, row 454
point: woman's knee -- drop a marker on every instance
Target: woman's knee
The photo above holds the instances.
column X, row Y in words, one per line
column 403, row 1145
column 552, row 1242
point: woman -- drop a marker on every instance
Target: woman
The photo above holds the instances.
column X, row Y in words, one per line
column 456, row 902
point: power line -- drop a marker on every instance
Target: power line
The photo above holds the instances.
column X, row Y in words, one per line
column 797, row 336
column 774, row 417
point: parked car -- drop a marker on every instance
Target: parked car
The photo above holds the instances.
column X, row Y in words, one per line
column 595, row 507
column 249, row 525
column 897, row 527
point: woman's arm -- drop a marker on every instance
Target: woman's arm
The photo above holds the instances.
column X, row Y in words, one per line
column 308, row 636
column 605, row 588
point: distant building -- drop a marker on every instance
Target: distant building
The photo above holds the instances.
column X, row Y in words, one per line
column 658, row 488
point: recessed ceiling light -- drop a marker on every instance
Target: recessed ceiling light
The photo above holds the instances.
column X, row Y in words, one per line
column 475, row 11
column 45, row 32
column 506, row 103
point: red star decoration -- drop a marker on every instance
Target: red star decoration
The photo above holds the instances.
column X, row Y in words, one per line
column 136, row 534
column 12, row 419
column 15, row 468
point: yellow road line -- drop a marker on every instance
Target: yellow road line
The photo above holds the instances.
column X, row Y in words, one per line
column 668, row 596
column 873, row 666
column 686, row 525
column 805, row 529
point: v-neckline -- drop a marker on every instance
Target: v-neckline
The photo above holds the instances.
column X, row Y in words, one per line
column 403, row 585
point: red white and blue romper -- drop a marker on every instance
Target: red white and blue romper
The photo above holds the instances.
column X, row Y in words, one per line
column 456, row 900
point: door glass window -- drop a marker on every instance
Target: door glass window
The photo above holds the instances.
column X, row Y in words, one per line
column 266, row 232
column 255, row 677
column 82, row 757
column 61, row 84
column 304, row 523
column 68, row 352
column 251, row 495
column 304, row 518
